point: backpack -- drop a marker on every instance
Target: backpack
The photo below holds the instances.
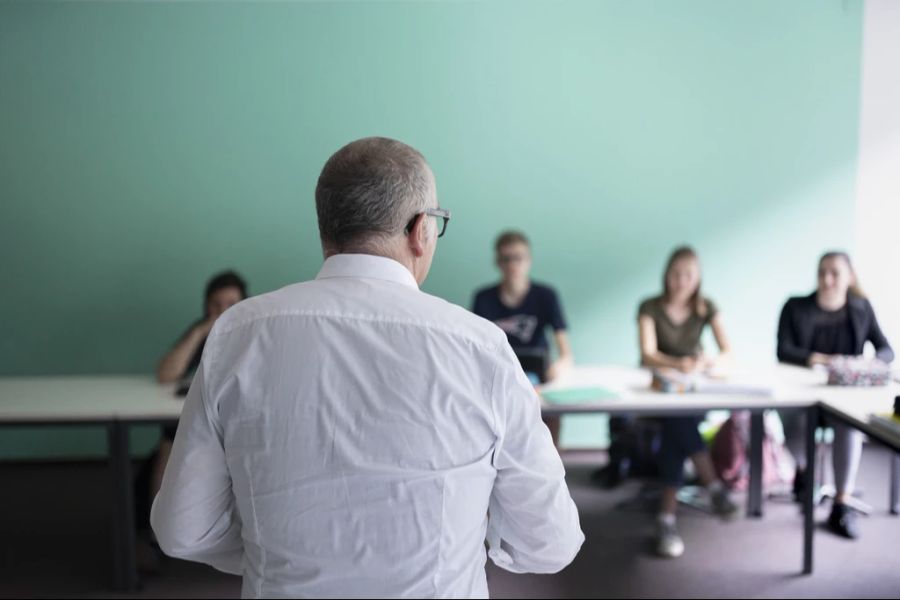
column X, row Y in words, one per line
column 730, row 450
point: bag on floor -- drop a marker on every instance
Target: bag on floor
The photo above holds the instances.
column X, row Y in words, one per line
column 730, row 449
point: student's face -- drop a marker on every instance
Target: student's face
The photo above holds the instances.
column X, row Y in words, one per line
column 221, row 300
column 514, row 261
column 683, row 278
column 835, row 277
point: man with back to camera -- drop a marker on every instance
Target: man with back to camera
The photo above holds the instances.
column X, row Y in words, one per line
column 354, row 436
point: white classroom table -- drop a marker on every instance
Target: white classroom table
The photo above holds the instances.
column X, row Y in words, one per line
column 118, row 402
column 791, row 387
column 855, row 412
column 114, row 402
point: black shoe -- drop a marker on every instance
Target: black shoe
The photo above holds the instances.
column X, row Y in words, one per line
column 799, row 485
column 843, row 522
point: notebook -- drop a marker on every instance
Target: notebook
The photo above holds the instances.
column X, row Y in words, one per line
column 580, row 395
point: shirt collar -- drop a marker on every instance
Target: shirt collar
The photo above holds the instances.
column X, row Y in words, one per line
column 366, row 266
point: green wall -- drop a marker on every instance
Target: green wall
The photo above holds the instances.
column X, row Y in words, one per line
column 144, row 146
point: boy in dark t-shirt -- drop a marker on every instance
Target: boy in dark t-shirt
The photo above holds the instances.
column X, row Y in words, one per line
column 525, row 309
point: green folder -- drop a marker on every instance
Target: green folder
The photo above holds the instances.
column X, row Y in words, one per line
column 585, row 395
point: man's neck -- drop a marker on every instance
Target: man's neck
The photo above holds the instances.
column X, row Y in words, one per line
column 382, row 251
column 830, row 303
column 515, row 287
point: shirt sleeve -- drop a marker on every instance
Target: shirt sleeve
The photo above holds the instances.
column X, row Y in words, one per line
column 789, row 350
column 645, row 308
column 711, row 310
column 557, row 318
column 194, row 514
column 883, row 349
column 533, row 523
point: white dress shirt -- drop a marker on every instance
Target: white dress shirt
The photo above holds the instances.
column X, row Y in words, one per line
column 349, row 436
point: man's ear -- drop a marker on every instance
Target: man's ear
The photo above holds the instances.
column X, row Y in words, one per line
column 417, row 237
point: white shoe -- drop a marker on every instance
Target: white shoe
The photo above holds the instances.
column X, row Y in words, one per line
column 668, row 543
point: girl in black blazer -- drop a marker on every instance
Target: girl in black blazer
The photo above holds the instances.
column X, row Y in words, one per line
column 835, row 320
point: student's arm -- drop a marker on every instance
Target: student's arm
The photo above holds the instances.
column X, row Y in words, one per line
column 194, row 515
column 557, row 320
column 724, row 357
column 883, row 349
column 650, row 354
column 533, row 523
column 176, row 361
column 565, row 360
column 788, row 349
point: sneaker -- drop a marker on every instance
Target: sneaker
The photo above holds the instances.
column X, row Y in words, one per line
column 724, row 506
column 843, row 522
column 668, row 543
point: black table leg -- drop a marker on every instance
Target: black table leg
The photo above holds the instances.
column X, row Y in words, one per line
column 125, row 576
column 812, row 417
column 754, row 497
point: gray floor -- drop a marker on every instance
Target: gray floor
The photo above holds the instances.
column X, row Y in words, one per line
column 54, row 533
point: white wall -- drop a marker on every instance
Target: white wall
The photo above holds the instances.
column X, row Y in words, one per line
column 877, row 233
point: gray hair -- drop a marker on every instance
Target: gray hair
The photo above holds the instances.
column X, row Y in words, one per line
column 368, row 191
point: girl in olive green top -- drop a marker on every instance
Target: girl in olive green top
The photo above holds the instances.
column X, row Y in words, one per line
column 670, row 328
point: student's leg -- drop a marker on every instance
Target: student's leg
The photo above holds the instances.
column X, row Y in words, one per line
column 668, row 502
column 846, row 454
column 794, row 422
column 683, row 433
column 675, row 446
column 671, row 470
column 703, row 464
column 622, row 444
column 681, row 439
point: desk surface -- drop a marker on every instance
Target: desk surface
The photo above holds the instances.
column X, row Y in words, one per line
column 104, row 398
column 790, row 386
column 86, row 399
column 858, row 410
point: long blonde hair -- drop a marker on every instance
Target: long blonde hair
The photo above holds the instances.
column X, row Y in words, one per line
column 697, row 303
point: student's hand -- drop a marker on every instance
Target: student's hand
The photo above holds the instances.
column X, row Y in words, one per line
column 688, row 364
column 558, row 369
column 817, row 358
column 204, row 327
column 704, row 362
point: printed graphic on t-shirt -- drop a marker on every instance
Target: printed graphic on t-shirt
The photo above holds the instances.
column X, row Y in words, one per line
column 521, row 327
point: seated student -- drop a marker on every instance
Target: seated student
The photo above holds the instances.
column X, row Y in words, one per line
column 223, row 291
column 524, row 309
column 835, row 320
column 670, row 328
